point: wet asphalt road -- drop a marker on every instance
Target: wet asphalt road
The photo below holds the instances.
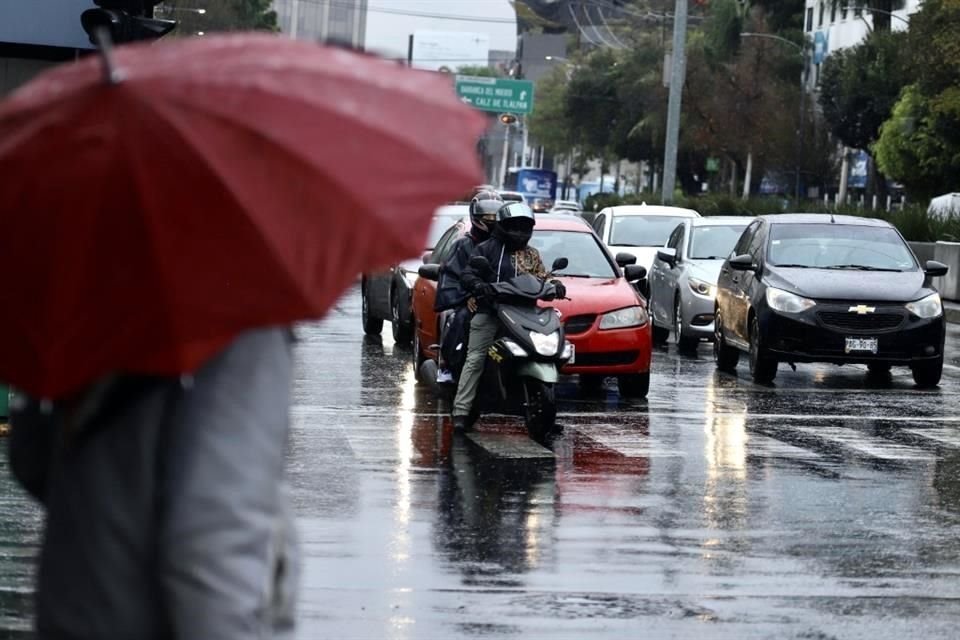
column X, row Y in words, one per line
column 827, row 506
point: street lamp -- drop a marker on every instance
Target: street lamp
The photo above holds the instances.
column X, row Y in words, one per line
column 872, row 10
column 803, row 93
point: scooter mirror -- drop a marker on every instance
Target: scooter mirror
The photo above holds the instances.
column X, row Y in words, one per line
column 559, row 264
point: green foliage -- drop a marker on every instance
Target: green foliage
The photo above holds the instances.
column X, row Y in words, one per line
column 859, row 86
column 549, row 124
column 480, row 70
column 223, row 15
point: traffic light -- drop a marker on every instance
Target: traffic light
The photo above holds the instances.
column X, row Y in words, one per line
column 508, row 119
column 125, row 20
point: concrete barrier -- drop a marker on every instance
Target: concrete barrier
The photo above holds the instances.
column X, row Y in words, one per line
column 949, row 254
column 923, row 250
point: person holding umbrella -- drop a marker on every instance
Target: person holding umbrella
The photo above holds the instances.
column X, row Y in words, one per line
column 166, row 223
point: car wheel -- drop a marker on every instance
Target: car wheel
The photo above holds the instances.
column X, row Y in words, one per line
column 763, row 368
column 685, row 343
column 540, row 409
column 927, row 374
column 401, row 330
column 418, row 360
column 634, row 385
column 726, row 356
column 371, row 326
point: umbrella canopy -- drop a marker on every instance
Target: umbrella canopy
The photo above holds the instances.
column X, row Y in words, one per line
column 224, row 183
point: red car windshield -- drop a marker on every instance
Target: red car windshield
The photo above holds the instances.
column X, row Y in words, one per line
column 587, row 258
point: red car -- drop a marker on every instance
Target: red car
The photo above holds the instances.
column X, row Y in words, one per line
column 604, row 318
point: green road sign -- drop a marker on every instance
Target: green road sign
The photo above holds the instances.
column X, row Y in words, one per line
column 496, row 94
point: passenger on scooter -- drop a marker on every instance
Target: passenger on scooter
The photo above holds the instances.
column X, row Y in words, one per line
column 509, row 255
column 450, row 292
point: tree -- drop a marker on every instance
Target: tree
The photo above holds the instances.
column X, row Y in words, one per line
column 222, row 15
column 479, row 70
column 919, row 144
column 859, row 86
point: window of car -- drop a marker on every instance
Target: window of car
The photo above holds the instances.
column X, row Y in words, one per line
column 676, row 240
column 441, row 251
column 714, row 242
column 743, row 243
column 599, row 223
column 439, row 226
column 587, row 257
column 839, row 246
column 642, row 231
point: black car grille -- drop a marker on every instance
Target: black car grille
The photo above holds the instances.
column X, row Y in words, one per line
column 606, row 359
column 864, row 323
column 579, row 324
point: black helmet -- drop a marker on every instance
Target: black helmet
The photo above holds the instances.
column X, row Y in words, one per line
column 483, row 211
column 515, row 223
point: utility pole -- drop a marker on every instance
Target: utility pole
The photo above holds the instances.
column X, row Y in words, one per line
column 677, row 76
column 294, row 18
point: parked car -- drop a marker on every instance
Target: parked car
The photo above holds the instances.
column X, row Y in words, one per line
column 541, row 205
column 387, row 294
column 566, row 206
column 683, row 280
column 512, row 196
column 823, row 288
column 639, row 230
column 604, row 318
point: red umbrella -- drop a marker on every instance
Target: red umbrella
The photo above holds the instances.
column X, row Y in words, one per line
column 224, row 183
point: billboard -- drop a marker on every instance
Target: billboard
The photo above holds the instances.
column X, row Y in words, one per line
column 449, row 50
column 51, row 23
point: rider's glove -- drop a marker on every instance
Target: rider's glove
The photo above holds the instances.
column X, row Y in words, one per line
column 483, row 290
column 561, row 290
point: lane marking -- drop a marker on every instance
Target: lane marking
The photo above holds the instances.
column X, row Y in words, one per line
column 866, row 445
column 510, row 446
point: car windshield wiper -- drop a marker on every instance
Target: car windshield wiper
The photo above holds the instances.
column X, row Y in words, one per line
column 706, row 258
column 571, row 275
column 861, row 267
column 794, row 266
column 628, row 244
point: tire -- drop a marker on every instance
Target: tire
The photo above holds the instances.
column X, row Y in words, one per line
column 540, row 408
column 927, row 374
column 763, row 368
column 418, row 360
column 634, row 385
column 726, row 356
column 659, row 335
column 402, row 332
column 371, row 326
column 685, row 344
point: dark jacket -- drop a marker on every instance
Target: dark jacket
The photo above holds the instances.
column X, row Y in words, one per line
column 450, row 291
column 505, row 264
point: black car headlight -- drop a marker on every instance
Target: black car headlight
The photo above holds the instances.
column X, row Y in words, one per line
column 786, row 302
column 926, row 308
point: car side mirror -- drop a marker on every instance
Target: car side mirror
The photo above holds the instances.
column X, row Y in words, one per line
column 426, row 257
column 668, row 255
column 743, row 262
column 634, row 272
column 624, row 259
column 429, row 272
column 934, row 269
column 559, row 265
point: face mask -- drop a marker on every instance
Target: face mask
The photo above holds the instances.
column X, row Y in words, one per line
column 516, row 240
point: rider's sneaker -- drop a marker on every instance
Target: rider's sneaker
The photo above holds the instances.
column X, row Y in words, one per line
column 443, row 375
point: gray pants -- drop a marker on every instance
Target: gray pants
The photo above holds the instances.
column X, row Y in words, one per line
column 483, row 331
column 166, row 511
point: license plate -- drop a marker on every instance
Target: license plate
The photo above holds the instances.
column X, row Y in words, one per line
column 868, row 345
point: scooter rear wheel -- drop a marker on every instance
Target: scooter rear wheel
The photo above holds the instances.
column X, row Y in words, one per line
column 540, row 408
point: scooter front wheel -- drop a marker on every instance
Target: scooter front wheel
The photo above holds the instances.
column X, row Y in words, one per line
column 540, row 408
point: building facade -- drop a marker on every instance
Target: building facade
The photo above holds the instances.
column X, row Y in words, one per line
column 324, row 20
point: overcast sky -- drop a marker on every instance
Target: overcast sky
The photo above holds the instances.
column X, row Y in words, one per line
column 388, row 30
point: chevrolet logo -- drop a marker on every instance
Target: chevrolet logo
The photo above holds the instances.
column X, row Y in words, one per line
column 862, row 309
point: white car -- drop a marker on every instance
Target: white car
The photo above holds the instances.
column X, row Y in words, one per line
column 639, row 230
column 513, row 196
column 566, row 206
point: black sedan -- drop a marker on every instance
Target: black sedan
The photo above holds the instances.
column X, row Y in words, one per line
column 387, row 294
column 823, row 288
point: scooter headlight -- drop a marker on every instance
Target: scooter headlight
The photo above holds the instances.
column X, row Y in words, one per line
column 546, row 345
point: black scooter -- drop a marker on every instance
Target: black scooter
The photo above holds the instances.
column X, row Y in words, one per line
column 524, row 362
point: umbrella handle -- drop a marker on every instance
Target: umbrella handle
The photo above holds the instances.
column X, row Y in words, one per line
column 111, row 73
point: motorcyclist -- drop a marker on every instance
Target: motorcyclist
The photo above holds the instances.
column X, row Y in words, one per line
column 451, row 293
column 509, row 255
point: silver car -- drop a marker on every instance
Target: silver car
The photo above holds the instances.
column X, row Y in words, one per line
column 683, row 278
